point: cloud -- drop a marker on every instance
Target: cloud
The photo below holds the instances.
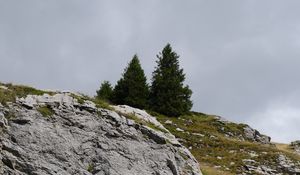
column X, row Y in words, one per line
column 280, row 119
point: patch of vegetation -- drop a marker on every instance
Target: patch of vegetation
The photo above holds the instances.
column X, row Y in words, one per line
column 7, row 96
column 23, row 91
column 284, row 147
column 102, row 104
column 98, row 102
column 90, row 168
column 45, row 111
column 80, row 99
column 208, row 170
column 13, row 91
column 206, row 136
column 10, row 115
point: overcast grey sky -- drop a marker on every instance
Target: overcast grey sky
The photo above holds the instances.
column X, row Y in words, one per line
column 241, row 58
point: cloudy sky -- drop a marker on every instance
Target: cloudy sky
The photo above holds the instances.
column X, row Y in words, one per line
column 241, row 58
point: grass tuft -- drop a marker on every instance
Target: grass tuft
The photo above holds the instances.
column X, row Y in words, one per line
column 45, row 111
column 98, row 102
column 13, row 91
column 90, row 168
column 10, row 115
column 102, row 104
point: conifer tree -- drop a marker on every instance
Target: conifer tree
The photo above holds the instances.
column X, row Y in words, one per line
column 132, row 89
column 105, row 92
column 168, row 95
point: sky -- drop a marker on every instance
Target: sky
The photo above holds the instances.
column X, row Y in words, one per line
column 241, row 58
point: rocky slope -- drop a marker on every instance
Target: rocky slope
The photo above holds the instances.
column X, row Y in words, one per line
column 224, row 147
column 62, row 133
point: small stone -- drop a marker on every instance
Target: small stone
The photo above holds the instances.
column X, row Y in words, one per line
column 4, row 87
column 212, row 137
column 130, row 122
column 249, row 161
column 253, row 154
column 180, row 130
column 168, row 122
column 198, row 134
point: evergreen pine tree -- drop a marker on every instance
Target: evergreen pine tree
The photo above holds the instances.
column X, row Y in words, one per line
column 168, row 95
column 132, row 88
column 105, row 92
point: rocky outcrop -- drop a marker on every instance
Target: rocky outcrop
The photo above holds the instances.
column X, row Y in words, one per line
column 78, row 138
column 247, row 133
column 254, row 135
column 283, row 165
column 295, row 145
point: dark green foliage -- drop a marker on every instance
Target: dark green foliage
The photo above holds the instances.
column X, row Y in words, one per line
column 105, row 92
column 132, row 88
column 168, row 95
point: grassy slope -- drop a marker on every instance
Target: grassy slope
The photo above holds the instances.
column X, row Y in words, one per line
column 206, row 137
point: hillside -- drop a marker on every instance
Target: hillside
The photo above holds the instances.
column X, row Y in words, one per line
column 68, row 133
column 65, row 133
column 223, row 147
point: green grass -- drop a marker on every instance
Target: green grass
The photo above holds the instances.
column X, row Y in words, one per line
column 101, row 104
column 213, row 143
column 10, row 115
column 23, row 91
column 208, row 170
column 7, row 96
column 14, row 91
column 90, row 168
column 98, row 102
column 45, row 111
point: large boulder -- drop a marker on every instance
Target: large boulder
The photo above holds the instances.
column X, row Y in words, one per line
column 80, row 139
column 296, row 146
column 254, row 135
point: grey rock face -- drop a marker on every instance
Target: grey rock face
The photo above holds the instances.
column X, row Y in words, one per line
column 283, row 165
column 80, row 139
column 287, row 165
column 248, row 133
column 3, row 120
column 254, row 135
column 143, row 115
column 296, row 146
